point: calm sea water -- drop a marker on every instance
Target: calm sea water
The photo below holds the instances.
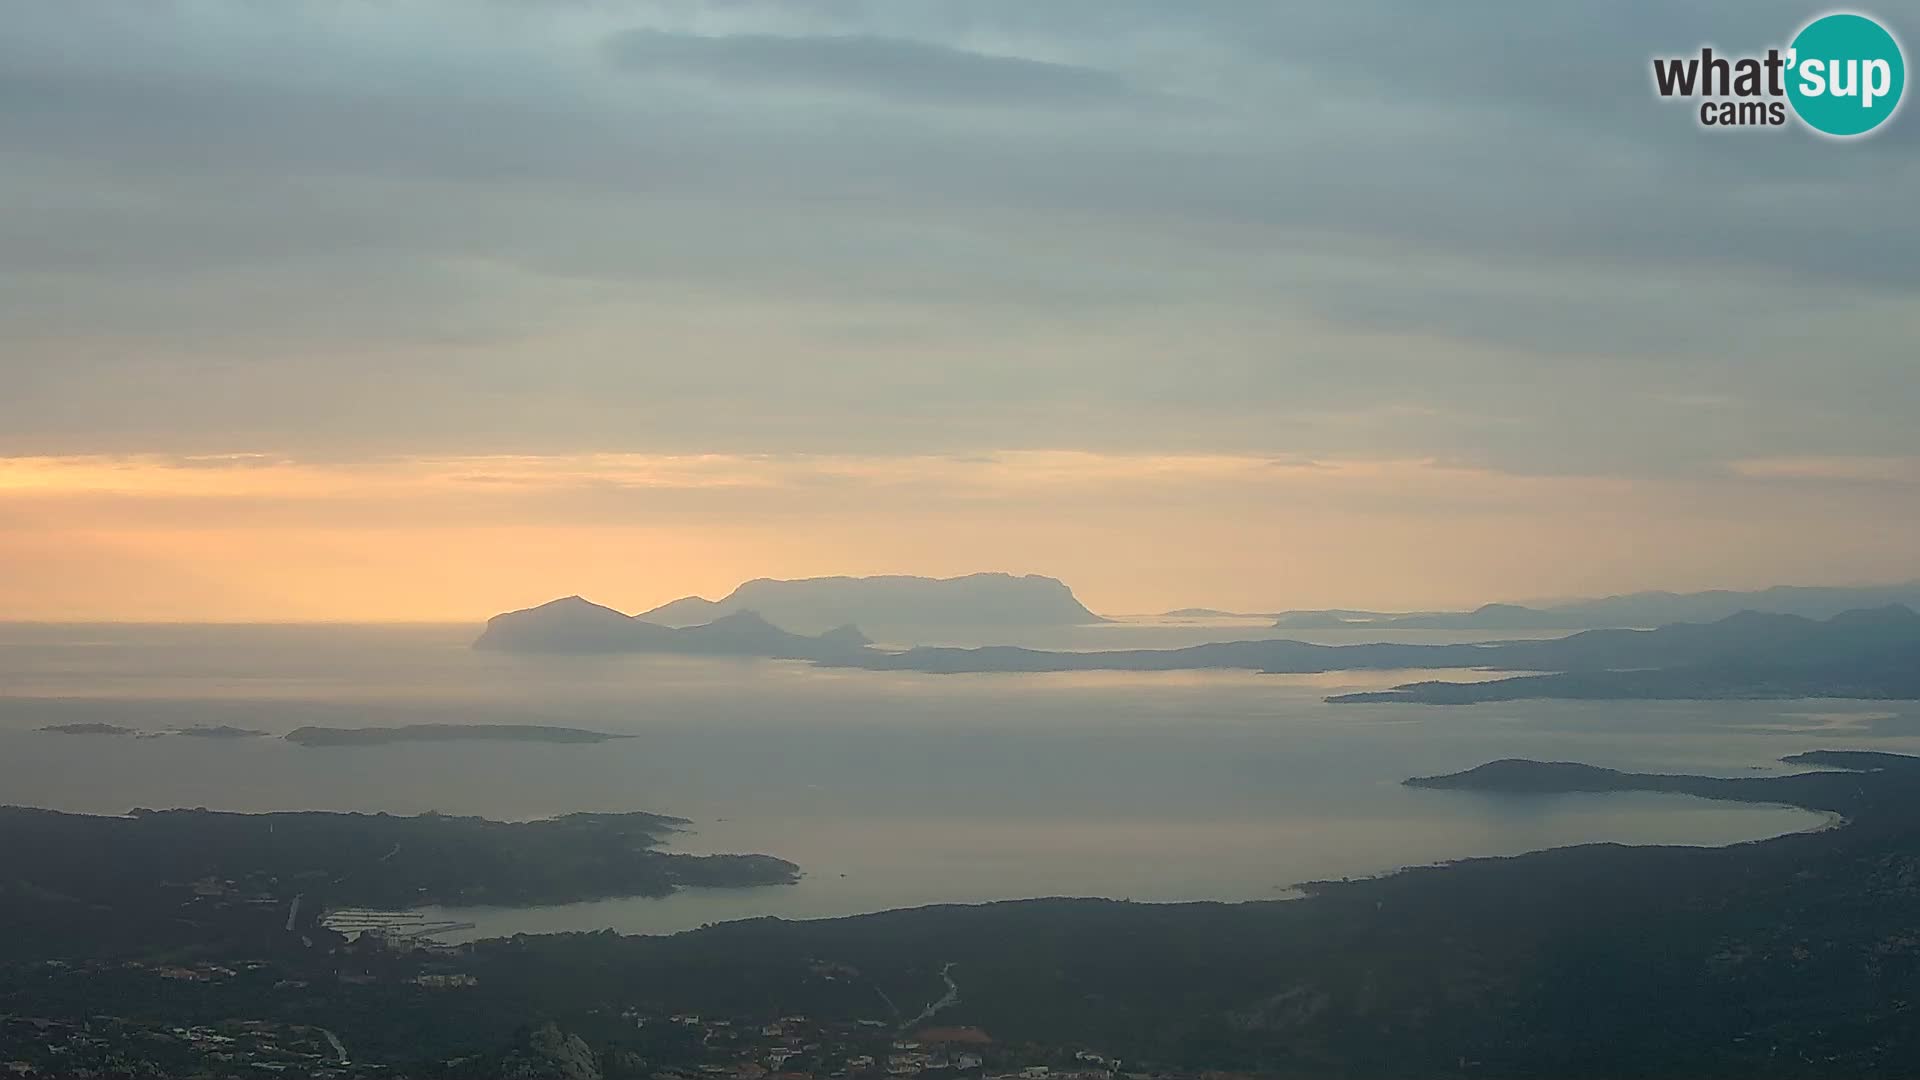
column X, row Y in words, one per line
column 888, row 789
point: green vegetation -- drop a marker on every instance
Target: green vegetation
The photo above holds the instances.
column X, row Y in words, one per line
column 1796, row 956
column 76, row 884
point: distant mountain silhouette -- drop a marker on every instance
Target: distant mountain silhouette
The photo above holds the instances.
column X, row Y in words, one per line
column 1868, row 653
column 1488, row 617
column 1873, row 653
column 1755, row 637
column 814, row 604
column 569, row 624
column 575, row 625
column 1704, row 682
column 1881, row 638
column 1643, row 609
column 1660, row 608
column 1485, row 617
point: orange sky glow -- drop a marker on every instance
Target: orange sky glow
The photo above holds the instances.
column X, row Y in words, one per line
column 269, row 537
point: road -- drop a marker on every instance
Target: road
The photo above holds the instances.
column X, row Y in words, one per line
column 339, row 1048
column 951, row 997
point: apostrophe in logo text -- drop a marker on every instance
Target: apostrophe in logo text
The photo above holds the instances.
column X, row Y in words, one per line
column 1841, row 75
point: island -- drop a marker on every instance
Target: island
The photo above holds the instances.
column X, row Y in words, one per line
column 971, row 601
column 218, row 731
column 380, row 736
column 574, row 625
column 809, row 619
column 198, row 731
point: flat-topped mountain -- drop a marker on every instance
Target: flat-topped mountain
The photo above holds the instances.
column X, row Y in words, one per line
column 810, row 605
column 575, row 625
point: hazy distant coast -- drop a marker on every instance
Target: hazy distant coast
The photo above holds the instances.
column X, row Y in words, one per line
column 1869, row 649
column 379, row 736
column 89, row 729
column 1889, row 682
column 314, row 735
column 1641, row 609
column 1870, row 653
column 198, row 731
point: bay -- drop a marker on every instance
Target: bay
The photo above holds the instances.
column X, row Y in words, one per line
column 888, row 789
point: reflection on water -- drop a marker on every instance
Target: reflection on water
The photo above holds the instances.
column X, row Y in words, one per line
column 888, row 789
column 865, row 865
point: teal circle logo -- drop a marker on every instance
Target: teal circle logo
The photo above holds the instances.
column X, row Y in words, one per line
column 1846, row 73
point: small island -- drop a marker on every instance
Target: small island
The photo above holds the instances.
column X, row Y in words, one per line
column 381, row 736
column 89, row 729
column 200, row 731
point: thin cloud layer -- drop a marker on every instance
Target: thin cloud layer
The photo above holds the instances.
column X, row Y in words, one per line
column 265, row 536
column 893, row 70
column 911, row 232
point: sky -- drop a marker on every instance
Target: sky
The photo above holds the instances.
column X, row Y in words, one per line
column 426, row 310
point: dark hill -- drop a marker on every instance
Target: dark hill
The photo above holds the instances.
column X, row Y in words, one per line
column 573, row 625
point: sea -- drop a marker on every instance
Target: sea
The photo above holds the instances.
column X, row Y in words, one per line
column 888, row 789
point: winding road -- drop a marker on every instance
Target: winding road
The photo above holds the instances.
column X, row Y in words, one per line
column 951, row 997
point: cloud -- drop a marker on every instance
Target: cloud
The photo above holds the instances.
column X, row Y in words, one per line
column 887, row 69
column 1845, row 469
column 280, row 536
column 906, row 228
column 1010, row 474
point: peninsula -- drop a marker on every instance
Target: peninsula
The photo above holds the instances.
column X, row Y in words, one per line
column 162, row 876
